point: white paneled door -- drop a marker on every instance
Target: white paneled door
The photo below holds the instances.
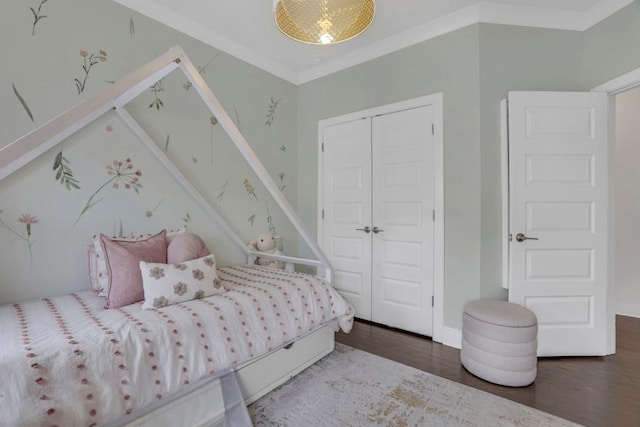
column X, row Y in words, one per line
column 347, row 210
column 378, row 229
column 402, row 212
column 558, row 217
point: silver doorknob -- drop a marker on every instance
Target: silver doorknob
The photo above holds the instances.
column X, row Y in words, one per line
column 520, row 237
column 366, row 229
column 377, row 230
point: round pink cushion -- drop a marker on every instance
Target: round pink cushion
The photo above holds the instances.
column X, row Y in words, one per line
column 186, row 247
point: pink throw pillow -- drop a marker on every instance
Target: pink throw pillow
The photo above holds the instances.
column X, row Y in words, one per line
column 186, row 247
column 123, row 266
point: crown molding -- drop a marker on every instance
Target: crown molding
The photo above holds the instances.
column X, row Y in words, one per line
column 206, row 35
column 602, row 10
column 527, row 16
column 483, row 12
column 430, row 30
column 491, row 13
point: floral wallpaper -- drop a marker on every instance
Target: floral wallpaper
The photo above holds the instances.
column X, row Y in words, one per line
column 25, row 235
column 121, row 173
column 102, row 179
column 88, row 61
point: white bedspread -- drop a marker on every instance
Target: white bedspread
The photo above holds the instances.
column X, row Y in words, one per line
column 68, row 361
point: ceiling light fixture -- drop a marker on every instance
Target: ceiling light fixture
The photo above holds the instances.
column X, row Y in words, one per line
column 323, row 22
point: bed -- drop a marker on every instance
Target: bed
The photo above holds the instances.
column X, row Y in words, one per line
column 69, row 361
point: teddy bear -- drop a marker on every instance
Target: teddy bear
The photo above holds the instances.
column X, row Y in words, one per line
column 266, row 243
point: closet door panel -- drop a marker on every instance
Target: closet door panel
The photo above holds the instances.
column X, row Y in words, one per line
column 347, row 210
column 402, row 262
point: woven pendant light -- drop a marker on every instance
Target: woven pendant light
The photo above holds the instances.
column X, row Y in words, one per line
column 323, row 21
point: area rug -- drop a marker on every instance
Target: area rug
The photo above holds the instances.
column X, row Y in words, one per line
column 350, row 387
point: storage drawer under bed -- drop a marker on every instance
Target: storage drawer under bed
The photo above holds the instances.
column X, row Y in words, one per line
column 262, row 375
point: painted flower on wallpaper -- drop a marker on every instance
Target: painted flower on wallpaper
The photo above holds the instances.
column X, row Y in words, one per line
column 132, row 27
column 271, row 111
column 64, row 175
column 37, row 16
column 187, row 85
column 251, row 190
column 156, row 88
column 88, row 61
column 121, row 174
column 28, row 220
column 149, row 213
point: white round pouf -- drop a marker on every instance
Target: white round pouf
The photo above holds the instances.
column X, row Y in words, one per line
column 500, row 342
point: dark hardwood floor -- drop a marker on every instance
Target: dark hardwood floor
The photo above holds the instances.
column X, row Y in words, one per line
column 593, row 391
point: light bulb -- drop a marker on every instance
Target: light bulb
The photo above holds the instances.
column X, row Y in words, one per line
column 326, row 38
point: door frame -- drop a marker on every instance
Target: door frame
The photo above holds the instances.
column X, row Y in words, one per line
column 612, row 87
column 435, row 100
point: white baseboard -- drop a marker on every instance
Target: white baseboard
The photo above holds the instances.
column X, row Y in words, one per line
column 452, row 337
column 628, row 309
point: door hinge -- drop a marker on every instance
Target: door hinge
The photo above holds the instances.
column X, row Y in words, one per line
column 432, row 301
column 433, row 129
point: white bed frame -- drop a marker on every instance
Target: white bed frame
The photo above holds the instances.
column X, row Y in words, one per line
column 263, row 374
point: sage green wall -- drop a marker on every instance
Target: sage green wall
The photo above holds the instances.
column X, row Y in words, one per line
column 41, row 246
column 612, row 46
column 447, row 64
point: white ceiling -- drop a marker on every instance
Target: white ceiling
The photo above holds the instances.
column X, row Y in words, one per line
column 246, row 30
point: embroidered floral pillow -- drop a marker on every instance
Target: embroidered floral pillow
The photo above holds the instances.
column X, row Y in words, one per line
column 166, row 284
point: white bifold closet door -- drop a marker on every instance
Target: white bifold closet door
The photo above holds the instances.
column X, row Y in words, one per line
column 378, row 225
column 347, row 210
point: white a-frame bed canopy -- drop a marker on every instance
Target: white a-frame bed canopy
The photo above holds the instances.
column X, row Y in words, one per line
column 116, row 97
